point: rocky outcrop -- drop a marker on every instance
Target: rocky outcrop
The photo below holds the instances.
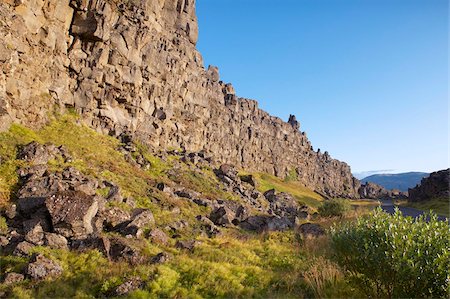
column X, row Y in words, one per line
column 131, row 67
column 437, row 185
column 374, row 191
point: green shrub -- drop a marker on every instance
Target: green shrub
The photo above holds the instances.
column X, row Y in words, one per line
column 395, row 256
column 334, row 207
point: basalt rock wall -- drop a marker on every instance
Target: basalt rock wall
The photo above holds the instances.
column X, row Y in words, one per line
column 437, row 185
column 132, row 67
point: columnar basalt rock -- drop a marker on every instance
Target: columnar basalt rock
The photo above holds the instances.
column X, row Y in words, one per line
column 132, row 67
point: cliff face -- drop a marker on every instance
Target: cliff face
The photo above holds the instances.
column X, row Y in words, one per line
column 132, row 66
column 437, row 185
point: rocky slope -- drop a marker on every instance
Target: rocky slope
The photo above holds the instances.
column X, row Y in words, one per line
column 132, row 67
column 437, row 185
column 68, row 193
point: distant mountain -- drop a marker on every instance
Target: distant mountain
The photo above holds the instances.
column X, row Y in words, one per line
column 400, row 181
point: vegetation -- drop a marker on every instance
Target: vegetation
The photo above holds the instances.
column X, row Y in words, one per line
column 295, row 188
column 236, row 264
column 395, row 256
column 440, row 206
column 334, row 208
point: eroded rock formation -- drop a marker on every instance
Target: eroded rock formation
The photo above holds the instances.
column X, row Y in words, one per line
column 437, row 185
column 132, row 67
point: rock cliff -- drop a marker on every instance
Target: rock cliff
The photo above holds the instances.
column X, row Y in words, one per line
column 437, row 185
column 132, row 67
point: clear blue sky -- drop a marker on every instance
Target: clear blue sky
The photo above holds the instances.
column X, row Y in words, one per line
column 367, row 79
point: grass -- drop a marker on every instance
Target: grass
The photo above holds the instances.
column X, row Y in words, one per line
column 295, row 188
column 236, row 264
column 440, row 206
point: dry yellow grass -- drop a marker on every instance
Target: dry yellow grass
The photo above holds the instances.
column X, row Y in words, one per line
column 322, row 274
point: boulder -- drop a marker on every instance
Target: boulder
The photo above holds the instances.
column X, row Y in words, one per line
column 249, row 179
column 227, row 170
column 100, row 243
column 186, row 245
column 23, row 249
column 71, row 213
column 279, row 224
column 132, row 284
column 28, row 206
column 311, row 230
column 41, row 267
column 255, row 223
column 209, row 227
column 140, row 219
column 185, row 193
column 12, row 278
column 160, row 258
column 34, row 234
column 55, row 241
column 114, row 217
column 158, row 236
column 120, row 250
column 222, row 216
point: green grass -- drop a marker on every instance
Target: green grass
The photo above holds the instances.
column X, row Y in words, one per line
column 236, row 264
column 295, row 188
column 440, row 206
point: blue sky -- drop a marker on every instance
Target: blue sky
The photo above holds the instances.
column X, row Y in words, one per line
column 367, row 79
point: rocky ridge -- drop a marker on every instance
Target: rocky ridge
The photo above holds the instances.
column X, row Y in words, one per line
column 437, row 185
column 132, row 67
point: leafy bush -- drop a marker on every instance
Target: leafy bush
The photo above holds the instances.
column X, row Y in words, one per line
column 395, row 256
column 334, row 207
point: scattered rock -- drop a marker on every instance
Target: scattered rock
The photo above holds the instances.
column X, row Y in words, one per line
column 41, row 267
column 158, row 236
column 34, row 234
column 141, row 218
column 100, row 243
column 12, row 278
column 160, row 258
column 23, row 249
column 72, row 212
column 186, row 245
column 114, row 217
column 55, row 241
column 129, row 286
column 222, row 216
column 227, row 170
column 311, row 230
column 120, row 250
column 249, row 179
